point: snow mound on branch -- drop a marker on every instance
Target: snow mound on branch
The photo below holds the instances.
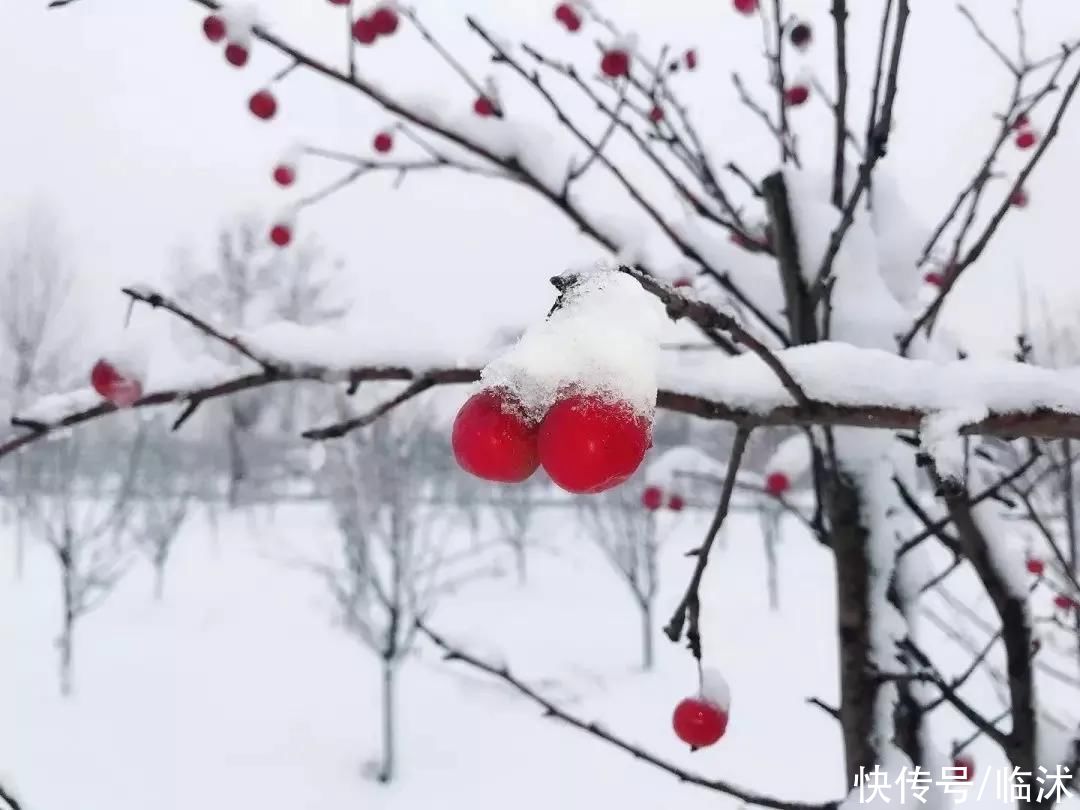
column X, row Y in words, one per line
column 842, row 374
column 715, row 689
column 940, row 437
column 239, row 19
column 603, row 340
column 664, row 470
column 791, row 457
column 900, row 237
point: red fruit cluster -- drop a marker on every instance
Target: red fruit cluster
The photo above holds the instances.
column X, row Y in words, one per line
column 698, row 722
column 382, row 22
column 114, row 386
column 796, row 95
column 263, row 105
column 777, row 483
column 801, row 35
column 567, row 15
column 965, row 768
column 745, row 6
column 1035, row 566
column 215, row 29
column 652, row 498
column 615, row 63
column 585, row 443
column 383, row 142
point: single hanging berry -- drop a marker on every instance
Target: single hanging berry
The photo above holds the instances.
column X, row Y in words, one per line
column 801, row 36
column 745, row 6
column 284, row 174
column 385, row 21
column 652, row 498
column 965, row 767
column 777, row 483
column 676, row 503
column 113, row 385
column 364, row 30
column 214, row 28
column 263, row 105
column 1025, row 139
column 383, row 142
column 484, row 107
column 796, row 95
column 698, row 722
column 281, row 235
column 236, row 54
column 493, row 439
column 1035, row 566
column 615, row 63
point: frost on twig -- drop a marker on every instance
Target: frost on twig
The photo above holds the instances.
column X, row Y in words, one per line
column 941, row 438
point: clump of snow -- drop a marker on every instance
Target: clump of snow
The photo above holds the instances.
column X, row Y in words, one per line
column 900, row 236
column 53, row 408
column 663, row 471
column 939, row 435
column 791, row 457
column 603, row 340
column 240, row 19
column 1005, row 546
column 715, row 689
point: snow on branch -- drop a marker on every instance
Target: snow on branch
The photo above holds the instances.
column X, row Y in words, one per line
column 503, row 673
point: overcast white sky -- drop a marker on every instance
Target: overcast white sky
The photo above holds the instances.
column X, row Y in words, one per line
column 122, row 116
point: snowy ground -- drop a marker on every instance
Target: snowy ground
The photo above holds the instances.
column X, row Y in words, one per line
column 238, row 691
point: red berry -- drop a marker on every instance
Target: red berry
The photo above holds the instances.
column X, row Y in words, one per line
column 383, row 142
column 384, row 20
column 652, row 498
column 214, row 28
column 1035, row 566
column 263, row 105
column 691, row 59
column 364, row 31
column 744, row 241
column 588, row 444
column 118, row 389
column 615, row 63
column 1064, row 601
column 699, row 723
column 776, row 483
column 236, row 54
column 1021, row 122
column 1019, row 198
column 656, row 114
column 340, row 2
column 1025, row 139
column 965, row 766
column 683, row 282
column 493, row 440
column 484, row 107
column 745, row 6
column 568, row 16
column 796, row 95
column 284, row 175
column 801, row 35
column 281, row 235
column 934, row 278
column 676, row 503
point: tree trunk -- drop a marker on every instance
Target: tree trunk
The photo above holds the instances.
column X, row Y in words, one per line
column 647, row 657
column 66, row 641
column 388, row 763
column 1068, row 494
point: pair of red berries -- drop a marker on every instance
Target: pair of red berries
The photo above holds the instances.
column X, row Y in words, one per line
column 585, row 443
column 382, row 22
column 1026, row 137
column 652, row 498
column 699, row 722
column 568, row 16
column 216, row 29
column 121, row 389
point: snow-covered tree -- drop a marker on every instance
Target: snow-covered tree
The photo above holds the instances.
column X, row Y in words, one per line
column 813, row 293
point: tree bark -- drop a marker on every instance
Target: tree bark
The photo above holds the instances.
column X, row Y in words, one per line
column 388, row 764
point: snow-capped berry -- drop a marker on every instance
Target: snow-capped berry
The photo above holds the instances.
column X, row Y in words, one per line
column 493, row 440
column 383, row 142
column 676, row 503
column 1064, row 601
column 1021, row 122
column 284, row 174
column 652, row 498
column 777, row 483
column 263, row 105
column 965, row 767
column 566, row 14
column 484, row 107
column 588, row 444
column 615, row 63
column 682, row 281
column 384, row 20
column 699, row 723
column 745, row 6
column 281, row 235
column 114, row 386
column 236, row 54
column 690, row 57
column 935, row 278
column 364, row 30
column 1019, row 198
column 800, row 35
column 656, row 114
column 796, row 95
column 1025, row 139
column 214, row 28
column 1035, row 566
